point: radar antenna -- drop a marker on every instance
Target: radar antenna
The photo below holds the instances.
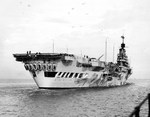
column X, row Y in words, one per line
column 53, row 45
column 122, row 45
column 122, row 38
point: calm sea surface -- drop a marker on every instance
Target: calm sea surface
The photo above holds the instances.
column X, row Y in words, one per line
column 21, row 98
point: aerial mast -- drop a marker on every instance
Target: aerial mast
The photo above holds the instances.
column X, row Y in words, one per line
column 106, row 50
column 53, row 46
column 122, row 45
column 67, row 49
column 113, row 52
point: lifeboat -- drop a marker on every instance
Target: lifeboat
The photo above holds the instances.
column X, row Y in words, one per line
column 31, row 67
column 53, row 67
column 27, row 66
column 38, row 67
column 44, row 67
column 49, row 66
column 35, row 66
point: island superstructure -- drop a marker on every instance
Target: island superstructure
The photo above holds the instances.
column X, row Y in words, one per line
column 63, row 70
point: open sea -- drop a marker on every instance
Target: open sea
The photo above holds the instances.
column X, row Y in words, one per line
column 22, row 98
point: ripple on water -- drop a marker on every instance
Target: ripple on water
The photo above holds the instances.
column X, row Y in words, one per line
column 26, row 101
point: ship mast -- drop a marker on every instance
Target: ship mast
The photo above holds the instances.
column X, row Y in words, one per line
column 122, row 58
column 53, row 46
column 67, row 50
column 106, row 50
column 122, row 45
column 113, row 52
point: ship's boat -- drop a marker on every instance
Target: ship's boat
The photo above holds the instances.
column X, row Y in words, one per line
column 62, row 70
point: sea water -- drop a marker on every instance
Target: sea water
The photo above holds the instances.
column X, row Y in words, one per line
column 21, row 98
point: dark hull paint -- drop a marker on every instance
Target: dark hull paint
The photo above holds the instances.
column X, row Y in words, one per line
column 102, row 87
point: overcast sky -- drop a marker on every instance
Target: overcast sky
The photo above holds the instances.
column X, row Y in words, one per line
column 82, row 26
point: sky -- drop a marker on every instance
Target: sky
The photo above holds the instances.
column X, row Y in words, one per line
column 79, row 26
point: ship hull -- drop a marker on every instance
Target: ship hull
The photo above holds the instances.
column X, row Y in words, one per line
column 93, row 80
column 63, row 70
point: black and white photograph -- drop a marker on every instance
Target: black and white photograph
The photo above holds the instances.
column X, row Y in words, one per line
column 74, row 58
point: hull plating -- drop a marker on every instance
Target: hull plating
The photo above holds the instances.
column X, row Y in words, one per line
column 92, row 80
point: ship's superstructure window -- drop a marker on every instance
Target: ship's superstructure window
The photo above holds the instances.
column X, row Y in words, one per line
column 50, row 74
column 49, row 67
column 71, row 74
column 109, row 79
column 97, row 68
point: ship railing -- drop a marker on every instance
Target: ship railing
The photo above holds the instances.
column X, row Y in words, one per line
column 136, row 111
